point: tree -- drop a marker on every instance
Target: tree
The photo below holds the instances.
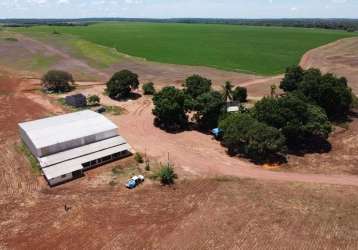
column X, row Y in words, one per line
column 329, row 92
column 227, row 91
column 273, row 89
column 292, row 78
column 243, row 133
column 297, row 119
column 148, row 88
column 196, row 85
column 240, row 94
column 93, row 100
column 209, row 108
column 121, row 84
column 57, row 81
column 169, row 107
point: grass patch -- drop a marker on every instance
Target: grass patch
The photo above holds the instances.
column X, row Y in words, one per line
column 114, row 110
column 62, row 102
column 229, row 47
column 11, row 39
column 35, row 166
column 99, row 55
column 39, row 62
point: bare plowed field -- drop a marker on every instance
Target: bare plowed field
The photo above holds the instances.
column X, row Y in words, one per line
column 340, row 57
column 201, row 214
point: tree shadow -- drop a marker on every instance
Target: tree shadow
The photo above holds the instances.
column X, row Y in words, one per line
column 313, row 145
column 131, row 97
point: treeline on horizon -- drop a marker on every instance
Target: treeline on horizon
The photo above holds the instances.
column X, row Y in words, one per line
column 349, row 25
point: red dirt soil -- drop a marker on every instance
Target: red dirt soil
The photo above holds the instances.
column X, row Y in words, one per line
column 340, row 57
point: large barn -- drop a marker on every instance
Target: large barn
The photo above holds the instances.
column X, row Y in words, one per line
column 66, row 145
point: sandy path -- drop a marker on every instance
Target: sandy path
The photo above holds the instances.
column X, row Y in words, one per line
column 199, row 154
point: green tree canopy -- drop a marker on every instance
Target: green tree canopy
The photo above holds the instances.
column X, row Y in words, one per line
column 293, row 77
column 243, row 133
column 169, row 107
column 297, row 119
column 209, row 107
column 196, row 85
column 57, row 81
column 121, row 84
column 148, row 88
column 328, row 91
column 240, row 94
column 227, row 91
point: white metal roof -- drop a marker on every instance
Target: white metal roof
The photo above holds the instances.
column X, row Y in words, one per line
column 63, row 128
column 76, row 164
column 233, row 109
column 81, row 151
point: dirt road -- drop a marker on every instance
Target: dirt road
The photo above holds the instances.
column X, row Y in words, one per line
column 198, row 153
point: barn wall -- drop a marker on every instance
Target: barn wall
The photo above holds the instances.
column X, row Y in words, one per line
column 29, row 143
column 60, row 179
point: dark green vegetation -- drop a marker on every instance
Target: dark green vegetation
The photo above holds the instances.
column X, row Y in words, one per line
column 57, row 81
column 295, row 118
column 121, row 84
column 138, row 158
column 166, row 174
column 244, row 134
column 93, row 100
column 239, row 94
column 299, row 121
column 327, row 91
column 262, row 50
column 172, row 105
column 148, row 88
column 170, row 109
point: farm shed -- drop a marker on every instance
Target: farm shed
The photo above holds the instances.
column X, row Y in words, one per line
column 66, row 145
column 78, row 100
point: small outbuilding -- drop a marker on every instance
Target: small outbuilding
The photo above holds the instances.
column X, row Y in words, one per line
column 69, row 144
column 77, row 101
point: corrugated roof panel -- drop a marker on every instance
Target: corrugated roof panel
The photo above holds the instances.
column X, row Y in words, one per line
column 76, row 164
column 81, row 151
column 63, row 128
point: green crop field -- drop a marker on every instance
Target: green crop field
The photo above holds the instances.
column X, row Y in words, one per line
column 260, row 50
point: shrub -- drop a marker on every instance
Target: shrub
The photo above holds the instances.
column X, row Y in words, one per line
column 93, row 100
column 166, row 174
column 121, row 84
column 148, row 88
column 138, row 157
column 57, row 81
column 240, row 94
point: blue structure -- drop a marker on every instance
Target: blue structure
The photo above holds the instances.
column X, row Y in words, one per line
column 216, row 132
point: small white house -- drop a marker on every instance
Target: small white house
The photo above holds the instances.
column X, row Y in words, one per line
column 66, row 145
